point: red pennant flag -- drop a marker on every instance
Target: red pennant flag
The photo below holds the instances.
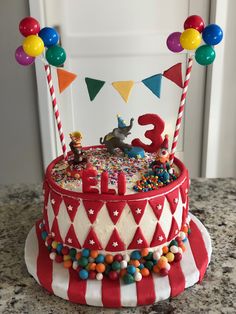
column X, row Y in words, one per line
column 175, row 74
column 159, row 236
column 55, row 200
column 115, row 210
column 138, row 242
column 71, row 238
column 92, row 209
column 91, row 242
column 137, row 208
column 157, row 205
column 65, row 78
column 56, row 232
column 174, row 229
column 173, row 199
column 115, row 244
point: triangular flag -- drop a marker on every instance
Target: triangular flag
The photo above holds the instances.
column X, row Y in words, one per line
column 157, row 205
column 55, row 231
column 173, row 199
column 93, row 87
column 115, row 243
column 124, row 88
column 72, row 205
column 115, row 210
column 174, row 229
column 154, row 84
column 159, row 236
column 65, row 78
column 71, row 238
column 91, row 242
column 175, row 74
column 92, row 209
column 138, row 242
column 55, row 200
column 137, row 209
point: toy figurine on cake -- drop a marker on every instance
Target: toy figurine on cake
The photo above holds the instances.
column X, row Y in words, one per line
column 102, row 241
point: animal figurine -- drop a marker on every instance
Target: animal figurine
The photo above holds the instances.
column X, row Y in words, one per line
column 115, row 139
column 76, row 148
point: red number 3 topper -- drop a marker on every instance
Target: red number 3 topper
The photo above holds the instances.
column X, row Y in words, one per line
column 154, row 134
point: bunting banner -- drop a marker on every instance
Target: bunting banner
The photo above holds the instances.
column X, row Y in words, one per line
column 154, row 84
column 124, row 88
column 175, row 74
column 94, row 87
column 65, row 78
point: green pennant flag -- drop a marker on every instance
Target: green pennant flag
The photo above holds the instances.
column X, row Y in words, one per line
column 93, row 87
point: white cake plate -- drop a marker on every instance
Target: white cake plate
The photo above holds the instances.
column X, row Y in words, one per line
column 66, row 284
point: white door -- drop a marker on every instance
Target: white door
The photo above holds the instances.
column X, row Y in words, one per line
column 115, row 41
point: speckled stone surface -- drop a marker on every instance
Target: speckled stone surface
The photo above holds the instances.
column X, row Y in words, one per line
column 213, row 201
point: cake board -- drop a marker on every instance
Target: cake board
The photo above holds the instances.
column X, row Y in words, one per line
column 66, row 284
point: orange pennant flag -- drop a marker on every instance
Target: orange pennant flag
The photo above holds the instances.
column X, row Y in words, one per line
column 65, row 78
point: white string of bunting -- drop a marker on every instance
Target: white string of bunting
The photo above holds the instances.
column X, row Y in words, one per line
column 124, row 88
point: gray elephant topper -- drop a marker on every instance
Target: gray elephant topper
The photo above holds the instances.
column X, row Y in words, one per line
column 115, row 138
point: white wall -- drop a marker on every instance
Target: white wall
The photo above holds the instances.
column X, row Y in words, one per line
column 20, row 157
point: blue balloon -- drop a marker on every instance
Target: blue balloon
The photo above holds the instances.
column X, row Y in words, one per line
column 49, row 36
column 212, row 34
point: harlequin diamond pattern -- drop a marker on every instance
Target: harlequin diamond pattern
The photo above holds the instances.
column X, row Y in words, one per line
column 127, row 230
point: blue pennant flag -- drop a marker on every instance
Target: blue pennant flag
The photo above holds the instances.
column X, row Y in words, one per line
column 154, row 84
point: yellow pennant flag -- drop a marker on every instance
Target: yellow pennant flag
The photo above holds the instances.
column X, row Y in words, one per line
column 124, row 88
column 65, row 78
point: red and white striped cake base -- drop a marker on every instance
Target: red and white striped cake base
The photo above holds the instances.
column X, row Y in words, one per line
column 65, row 283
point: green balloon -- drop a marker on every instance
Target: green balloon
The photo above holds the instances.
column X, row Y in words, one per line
column 205, row 55
column 56, row 55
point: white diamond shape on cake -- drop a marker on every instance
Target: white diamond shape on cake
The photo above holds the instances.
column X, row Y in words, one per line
column 148, row 223
column 179, row 211
column 51, row 214
column 63, row 220
column 166, row 218
column 81, row 224
column 103, row 226
column 126, row 226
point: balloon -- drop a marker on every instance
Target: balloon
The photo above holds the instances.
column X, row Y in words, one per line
column 22, row 58
column 33, row 45
column 56, row 55
column 29, row 26
column 173, row 42
column 212, row 34
column 205, row 55
column 190, row 39
column 194, row 21
column 49, row 36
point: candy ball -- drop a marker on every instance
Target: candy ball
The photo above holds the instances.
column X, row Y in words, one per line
column 149, row 265
column 109, row 258
column 83, row 261
column 59, row 258
column 212, row 34
column 131, row 269
column 182, row 235
column 205, row 55
column 99, row 276
column 173, row 242
column 115, row 265
column 135, row 255
column 180, row 250
column 113, row 275
column 85, row 252
column 92, row 274
column 75, row 265
column 138, row 276
column 59, row 247
column 72, row 252
column 194, row 21
column 23, row 59
column 170, row 257
column 128, row 279
column 44, row 235
column 156, row 269
column 66, row 258
column 65, row 250
column 100, row 258
column 174, row 249
column 49, row 36
column 29, row 26
column 54, row 244
column 126, row 257
column 94, row 253
column 123, row 264
column 83, row 274
column 91, row 259
column 148, row 257
column 145, row 272
column 173, row 42
column 100, row 268
column 33, row 46
column 167, row 266
column 52, row 256
column 162, row 262
column 156, row 255
column 55, row 55
column 163, row 272
column 67, row 264
column 144, row 252
column 178, row 257
column 165, row 249
column 118, row 257
column 190, row 39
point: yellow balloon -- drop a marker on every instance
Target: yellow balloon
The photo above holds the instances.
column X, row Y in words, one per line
column 190, row 39
column 33, row 45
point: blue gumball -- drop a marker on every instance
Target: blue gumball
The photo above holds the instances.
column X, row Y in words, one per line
column 212, row 34
column 49, row 36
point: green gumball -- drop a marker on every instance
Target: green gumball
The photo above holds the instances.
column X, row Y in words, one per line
column 205, row 55
column 56, row 55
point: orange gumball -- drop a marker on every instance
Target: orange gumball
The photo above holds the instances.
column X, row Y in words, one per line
column 165, row 249
column 67, row 264
column 144, row 252
column 100, row 268
column 92, row 266
column 123, row 272
column 94, row 253
column 109, row 258
column 145, row 272
column 156, row 269
column 78, row 255
column 162, row 262
column 134, row 262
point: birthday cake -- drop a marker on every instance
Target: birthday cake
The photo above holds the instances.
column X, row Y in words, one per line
column 115, row 228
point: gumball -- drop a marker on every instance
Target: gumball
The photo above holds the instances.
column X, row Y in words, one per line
column 173, row 42
column 190, row 39
column 23, row 59
column 205, row 55
column 212, row 34
column 29, row 26
column 113, row 275
column 194, row 21
column 33, row 45
column 49, row 36
column 56, row 55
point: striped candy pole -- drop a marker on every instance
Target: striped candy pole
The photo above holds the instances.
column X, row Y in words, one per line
column 181, row 109
column 56, row 110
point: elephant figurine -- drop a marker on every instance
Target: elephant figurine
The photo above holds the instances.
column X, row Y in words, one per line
column 115, row 139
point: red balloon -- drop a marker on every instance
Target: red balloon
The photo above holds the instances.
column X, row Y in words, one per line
column 29, row 26
column 194, row 21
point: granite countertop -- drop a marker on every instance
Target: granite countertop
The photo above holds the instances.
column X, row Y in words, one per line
column 213, row 201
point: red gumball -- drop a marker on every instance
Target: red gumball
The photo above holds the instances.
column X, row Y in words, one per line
column 178, row 257
column 29, row 26
column 113, row 275
column 92, row 274
column 118, row 257
column 194, row 21
column 163, row 272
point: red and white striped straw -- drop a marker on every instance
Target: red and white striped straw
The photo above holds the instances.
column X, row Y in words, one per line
column 181, row 109
column 56, row 110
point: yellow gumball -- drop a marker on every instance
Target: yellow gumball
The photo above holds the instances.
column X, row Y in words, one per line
column 33, row 45
column 190, row 39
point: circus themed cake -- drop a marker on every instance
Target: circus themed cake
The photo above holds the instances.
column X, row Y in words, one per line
column 115, row 227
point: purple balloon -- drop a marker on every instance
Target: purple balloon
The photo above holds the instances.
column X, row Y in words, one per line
column 22, row 58
column 173, row 42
